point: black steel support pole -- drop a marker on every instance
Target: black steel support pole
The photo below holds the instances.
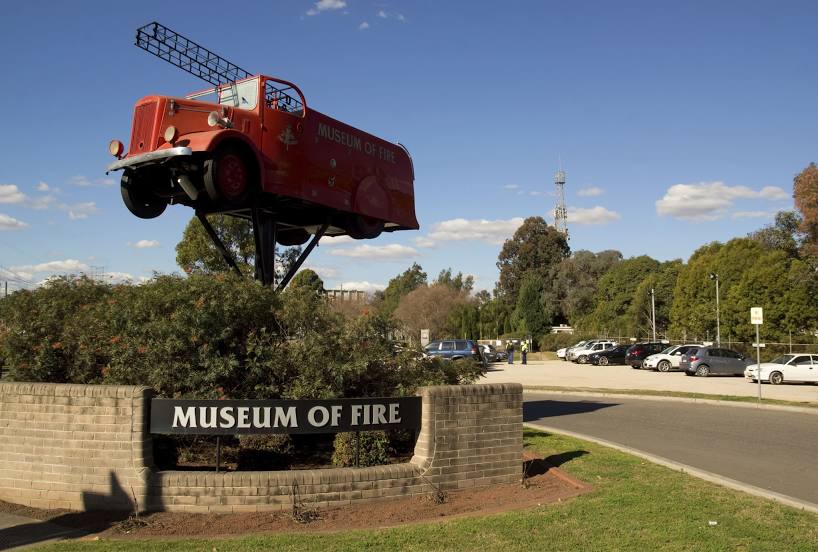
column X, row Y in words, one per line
column 218, row 243
column 218, row 452
column 301, row 258
column 264, row 233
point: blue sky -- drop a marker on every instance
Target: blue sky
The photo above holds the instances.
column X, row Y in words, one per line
column 677, row 123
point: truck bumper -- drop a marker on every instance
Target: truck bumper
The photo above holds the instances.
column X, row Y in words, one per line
column 150, row 157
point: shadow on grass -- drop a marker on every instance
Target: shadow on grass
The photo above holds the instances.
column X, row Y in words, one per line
column 536, row 410
column 539, row 466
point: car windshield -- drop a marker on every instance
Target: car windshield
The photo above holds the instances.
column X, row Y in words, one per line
column 783, row 359
column 668, row 350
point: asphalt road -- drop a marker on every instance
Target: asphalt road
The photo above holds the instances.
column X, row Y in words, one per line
column 773, row 450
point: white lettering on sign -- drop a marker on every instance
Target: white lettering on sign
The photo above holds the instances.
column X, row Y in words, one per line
column 184, row 417
column 354, row 142
column 285, row 420
column 375, row 414
column 244, row 416
column 313, row 420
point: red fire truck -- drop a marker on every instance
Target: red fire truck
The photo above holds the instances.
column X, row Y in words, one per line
column 249, row 146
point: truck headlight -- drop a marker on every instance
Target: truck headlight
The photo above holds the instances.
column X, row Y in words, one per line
column 116, row 148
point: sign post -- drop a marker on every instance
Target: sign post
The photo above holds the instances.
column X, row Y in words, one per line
column 757, row 319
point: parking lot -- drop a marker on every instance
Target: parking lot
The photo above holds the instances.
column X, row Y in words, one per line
column 568, row 374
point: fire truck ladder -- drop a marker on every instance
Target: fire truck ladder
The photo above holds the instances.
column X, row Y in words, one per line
column 197, row 60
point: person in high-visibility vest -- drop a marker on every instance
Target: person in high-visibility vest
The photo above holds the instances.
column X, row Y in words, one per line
column 524, row 350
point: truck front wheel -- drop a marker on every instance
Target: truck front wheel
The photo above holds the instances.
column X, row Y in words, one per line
column 361, row 227
column 138, row 197
column 227, row 176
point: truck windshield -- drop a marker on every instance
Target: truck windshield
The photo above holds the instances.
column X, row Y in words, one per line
column 243, row 95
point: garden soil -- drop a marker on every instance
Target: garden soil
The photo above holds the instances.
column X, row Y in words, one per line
column 544, row 484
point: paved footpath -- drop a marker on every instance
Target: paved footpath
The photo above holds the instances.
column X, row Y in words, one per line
column 561, row 373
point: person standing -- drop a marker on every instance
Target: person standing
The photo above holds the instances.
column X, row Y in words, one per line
column 524, row 351
column 510, row 351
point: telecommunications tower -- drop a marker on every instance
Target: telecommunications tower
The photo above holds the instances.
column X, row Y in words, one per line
column 560, row 212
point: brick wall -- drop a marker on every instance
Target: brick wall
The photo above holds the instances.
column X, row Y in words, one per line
column 80, row 447
column 84, row 447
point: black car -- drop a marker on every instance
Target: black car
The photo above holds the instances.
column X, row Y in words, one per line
column 609, row 356
column 640, row 351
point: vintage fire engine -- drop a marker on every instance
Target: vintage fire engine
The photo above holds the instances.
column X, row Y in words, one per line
column 250, row 147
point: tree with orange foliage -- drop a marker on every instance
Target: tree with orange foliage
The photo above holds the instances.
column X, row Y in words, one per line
column 805, row 191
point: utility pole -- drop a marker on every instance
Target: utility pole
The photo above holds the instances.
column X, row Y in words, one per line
column 653, row 312
column 714, row 276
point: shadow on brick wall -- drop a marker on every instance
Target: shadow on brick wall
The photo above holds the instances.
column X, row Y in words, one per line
column 108, row 509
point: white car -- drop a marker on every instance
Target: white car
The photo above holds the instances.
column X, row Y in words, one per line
column 563, row 353
column 581, row 355
column 668, row 359
column 791, row 367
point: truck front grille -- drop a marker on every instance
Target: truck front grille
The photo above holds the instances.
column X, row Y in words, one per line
column 143, row 131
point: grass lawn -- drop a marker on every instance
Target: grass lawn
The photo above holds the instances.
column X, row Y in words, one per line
column 636, row 506
column 661, row 393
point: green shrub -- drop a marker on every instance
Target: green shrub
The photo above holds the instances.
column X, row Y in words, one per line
column 554, row 341
column 265, row 452
column 371, row 447
column 209, row 337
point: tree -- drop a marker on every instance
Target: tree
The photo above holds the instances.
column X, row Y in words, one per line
column 196, row 253
column 574, row 283
column 429, row 307
column 307, row 279
column 663, row 282
column 532, row 315
column 534, row 246
column 400, row 286
column 783, row 235
column 615, row 293
column 459, row 282
column 805, row 192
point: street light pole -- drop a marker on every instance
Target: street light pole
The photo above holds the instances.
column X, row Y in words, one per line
column 714, row 276
column 653, row 312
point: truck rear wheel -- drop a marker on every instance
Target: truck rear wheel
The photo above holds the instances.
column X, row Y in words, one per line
column 361, row 227
column 138, row 198
column 228, row 176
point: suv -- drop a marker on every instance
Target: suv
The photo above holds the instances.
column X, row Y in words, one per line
column 581, row 355
column 703, row 361
column 640, row 351
column 454, row 349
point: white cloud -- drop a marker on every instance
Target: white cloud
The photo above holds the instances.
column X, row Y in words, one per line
column 368, row 287
column 510, row 187
column 80, row 211
column 377, row 252
column 62, row 267
column 144, row 244
column 494, row 232
column 117, row 277
column 705, row 201
column 85, row 182
column 9, row 193
column 326, row 5
column 335, row 240
column 593, row 216
column 382, row 14
column 42, row 187
column 400, row 17
column 593, row 191
column 363, row 26
column 11, row 223
column 536, row 193
column 41, row 203
column 751, row 214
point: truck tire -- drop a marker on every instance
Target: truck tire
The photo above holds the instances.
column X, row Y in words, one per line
column 361, row 227
column 138, row 197
column 228, row 176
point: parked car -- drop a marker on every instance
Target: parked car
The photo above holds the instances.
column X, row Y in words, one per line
column 792, row 367
column 638, row 352
column 454, row 349
column 609, row 356
column 581, row 355
column 490, row 354
column 705, row 361
column 570, row 353
column 668, row 359
column 563, row 353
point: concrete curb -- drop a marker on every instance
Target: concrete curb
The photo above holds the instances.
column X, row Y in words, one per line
column 717, row 402
column 684, row 468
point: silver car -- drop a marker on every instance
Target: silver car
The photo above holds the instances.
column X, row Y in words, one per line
column 706, row 361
